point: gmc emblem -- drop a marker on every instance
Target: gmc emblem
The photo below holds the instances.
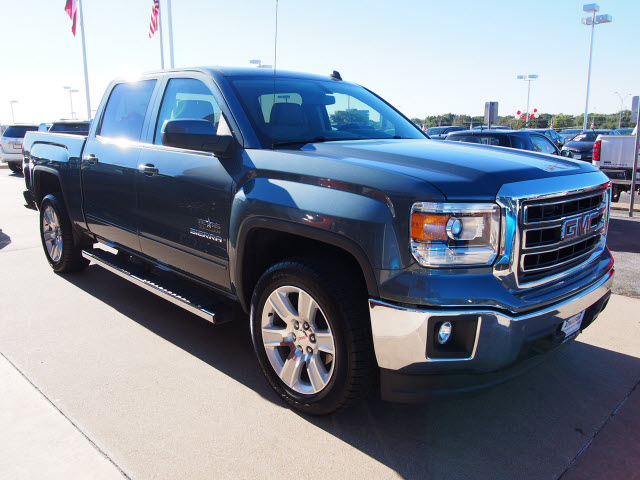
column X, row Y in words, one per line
column 579, row 226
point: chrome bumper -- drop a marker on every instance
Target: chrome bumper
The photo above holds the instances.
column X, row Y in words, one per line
column 400, row 335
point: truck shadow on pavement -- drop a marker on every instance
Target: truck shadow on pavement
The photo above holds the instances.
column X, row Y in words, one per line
column 4, row 239
column 623, row 235
column 531, row 427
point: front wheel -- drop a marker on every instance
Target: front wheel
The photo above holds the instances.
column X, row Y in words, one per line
column 311, row 334
column 57, row 237
column 15, row 167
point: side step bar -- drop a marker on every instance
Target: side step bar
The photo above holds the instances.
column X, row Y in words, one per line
column 175, row 292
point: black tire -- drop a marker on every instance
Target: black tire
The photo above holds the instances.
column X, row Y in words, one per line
column 15, row 167
column 344, row 304
column 70, row 259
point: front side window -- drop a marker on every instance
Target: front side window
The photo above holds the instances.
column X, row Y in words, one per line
column 301, row 111
column 127, row 106
column 542, row 144
column 189, row 99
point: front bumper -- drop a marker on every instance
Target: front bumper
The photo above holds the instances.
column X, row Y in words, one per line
column 503, row 344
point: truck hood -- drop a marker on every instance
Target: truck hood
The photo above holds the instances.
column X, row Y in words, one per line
column 458, row 170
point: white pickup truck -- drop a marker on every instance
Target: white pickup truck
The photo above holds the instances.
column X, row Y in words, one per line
column 613, row 155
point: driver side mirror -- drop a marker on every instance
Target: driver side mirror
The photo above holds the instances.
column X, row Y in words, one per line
column 196, row 135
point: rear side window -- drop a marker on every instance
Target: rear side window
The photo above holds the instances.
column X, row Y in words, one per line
column 127, row 106
column 497, row 140
column 18, row 132
column 519, row 143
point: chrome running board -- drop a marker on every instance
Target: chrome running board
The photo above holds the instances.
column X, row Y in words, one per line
column 202, row 305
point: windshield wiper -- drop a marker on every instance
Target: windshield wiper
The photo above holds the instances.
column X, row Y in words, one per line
column 302, row 141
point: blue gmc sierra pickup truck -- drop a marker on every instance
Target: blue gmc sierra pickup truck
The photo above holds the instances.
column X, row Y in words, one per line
column 362, row 252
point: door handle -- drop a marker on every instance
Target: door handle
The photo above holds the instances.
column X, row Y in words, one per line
column 148, row 169
column 90, row 159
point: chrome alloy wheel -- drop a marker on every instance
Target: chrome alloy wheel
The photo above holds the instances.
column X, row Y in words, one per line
column 298, row 340
column 52, row 233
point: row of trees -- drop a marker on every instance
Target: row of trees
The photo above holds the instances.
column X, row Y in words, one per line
column 560, row 120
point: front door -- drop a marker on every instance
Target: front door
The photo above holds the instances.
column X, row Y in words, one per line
column 185, row 196
column 110, row 162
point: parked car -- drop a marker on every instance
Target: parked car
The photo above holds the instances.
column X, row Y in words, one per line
column 569, row 133
column 580, row 147
column 71, row 127
column 519, row 139
column 492, row 127
column 11, row 145
column 551, row 134
column 439, row 133
column 356, row 247
column 613, row 155
column 623, row 131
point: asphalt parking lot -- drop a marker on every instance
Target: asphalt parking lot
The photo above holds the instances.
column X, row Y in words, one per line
column 146, row 390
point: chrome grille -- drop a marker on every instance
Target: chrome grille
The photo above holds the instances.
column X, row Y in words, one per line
column 560, row 233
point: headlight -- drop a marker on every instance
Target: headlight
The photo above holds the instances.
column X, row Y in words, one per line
column 455, row 234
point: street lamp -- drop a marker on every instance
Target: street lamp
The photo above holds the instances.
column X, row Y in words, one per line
column 621, row 97
column 594, row 20
column 71, row 92
column 13, row 118
column 528, row 79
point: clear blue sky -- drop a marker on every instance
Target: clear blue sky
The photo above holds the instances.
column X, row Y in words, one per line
column 425, row 57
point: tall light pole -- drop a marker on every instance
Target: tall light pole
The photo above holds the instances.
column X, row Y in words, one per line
column 622, row 98
column 594, row 20
column 13, row 118
column 528, row 79
column 71, row 92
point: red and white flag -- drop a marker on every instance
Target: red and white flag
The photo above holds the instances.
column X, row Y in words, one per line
column 155, row 12
column 71, row 7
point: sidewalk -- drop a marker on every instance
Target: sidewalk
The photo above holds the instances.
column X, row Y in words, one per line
column 37, row 441
column 625, row 206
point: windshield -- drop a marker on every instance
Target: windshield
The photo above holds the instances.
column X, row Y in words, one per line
column 304, row 110
column 18, row 132
column 436, row 131
column 585, row 137
column 82, row 128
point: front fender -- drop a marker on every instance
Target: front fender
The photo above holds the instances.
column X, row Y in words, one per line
column 361, row 225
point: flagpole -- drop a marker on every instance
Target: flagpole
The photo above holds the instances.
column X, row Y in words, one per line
column 160, row 28
column 170, row 34
column 84, row 57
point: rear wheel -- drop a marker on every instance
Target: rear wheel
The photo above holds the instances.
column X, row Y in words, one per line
column 15, row 167
column 57, row 237
column 311, row 333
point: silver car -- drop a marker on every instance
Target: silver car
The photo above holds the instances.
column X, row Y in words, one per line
column 11, row 145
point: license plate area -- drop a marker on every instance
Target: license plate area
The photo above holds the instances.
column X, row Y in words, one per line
column 571, row 326
column 577, row 157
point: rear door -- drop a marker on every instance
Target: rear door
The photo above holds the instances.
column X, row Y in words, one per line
column 185, row 204
column 110, row 161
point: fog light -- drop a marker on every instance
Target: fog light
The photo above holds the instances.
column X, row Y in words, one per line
column 444, row 333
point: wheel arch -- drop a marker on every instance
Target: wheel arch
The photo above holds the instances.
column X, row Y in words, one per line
column 244, row 278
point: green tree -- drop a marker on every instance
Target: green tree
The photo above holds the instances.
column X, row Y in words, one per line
column 350, row 116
